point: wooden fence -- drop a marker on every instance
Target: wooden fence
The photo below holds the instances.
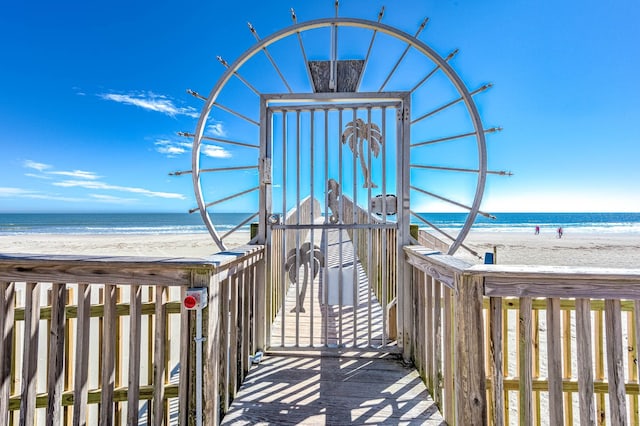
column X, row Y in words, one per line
column 112, row 343
column 499, row 344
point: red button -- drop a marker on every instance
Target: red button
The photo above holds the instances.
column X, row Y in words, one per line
column 190, row 302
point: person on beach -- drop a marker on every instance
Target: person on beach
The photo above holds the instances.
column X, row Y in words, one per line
column 537, row 230
column 560, row 232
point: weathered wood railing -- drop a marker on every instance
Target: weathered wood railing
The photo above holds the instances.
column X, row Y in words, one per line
column 481, row 333
column 69, row 361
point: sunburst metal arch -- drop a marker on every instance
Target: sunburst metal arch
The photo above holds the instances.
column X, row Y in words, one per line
column 411, row 41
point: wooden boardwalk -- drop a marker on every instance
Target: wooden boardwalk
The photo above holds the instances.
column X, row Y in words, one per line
column 338, row 380
column 327, row 389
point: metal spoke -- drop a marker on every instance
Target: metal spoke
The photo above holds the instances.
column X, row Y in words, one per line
column 366, row 58
column 450, row 138
column 304, row 53
column 406, row 50
column 211, row 138
column 230, row 197
column 222, row 107
column 241, row 78
column 266, row 52
column 442, row 108
column 434, row 70
column 219, row 169
column 455, row 169
column 426, row 222
column 455, row 203
column 240, row 225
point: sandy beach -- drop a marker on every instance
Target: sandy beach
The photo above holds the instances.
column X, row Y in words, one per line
column 621, row 250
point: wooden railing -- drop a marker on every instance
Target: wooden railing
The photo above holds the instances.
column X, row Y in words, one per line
column 113, row 334
column 500, row 344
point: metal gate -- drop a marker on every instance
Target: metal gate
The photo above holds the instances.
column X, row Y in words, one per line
column 334, row 196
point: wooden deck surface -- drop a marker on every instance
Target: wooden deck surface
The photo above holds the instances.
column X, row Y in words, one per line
column 326, row 389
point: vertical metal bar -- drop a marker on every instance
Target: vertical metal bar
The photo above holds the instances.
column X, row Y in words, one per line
column 354, row 242
column 369, row 231
column 325, row 298
column 366, row 58
column 340, row 254
column 297, row 231
column 384, row 280
column 403, row 218
column 284, row 218
column 264, row 232
column 312, row 271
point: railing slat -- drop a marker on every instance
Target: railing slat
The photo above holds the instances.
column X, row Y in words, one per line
column 430, row 368
column 30, row 353
column 108, row 356
column 159, row 361
column 470, row 380
column 135, row 338
column 585, row 362
column 80, row 389
column 615, row 365
column 233, row 335
column 554, row 362
column 224, row 345
column 497, row 375
column 211, row 392
column 449, row 394
column 56, row 353
column 526, row 379
column 7, row 311
column 438, row 347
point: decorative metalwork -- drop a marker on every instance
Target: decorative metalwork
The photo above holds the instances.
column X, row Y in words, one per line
column 303, row 258
column 355, row 134
column 333, row 193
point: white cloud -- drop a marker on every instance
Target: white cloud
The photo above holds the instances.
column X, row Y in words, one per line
column 172, row 149
column 111, row 199
column 89, row 184
column 214, row 151
column 12, row 192
column 152, row 102
column 33, row 175
column 29, row 164
column 216, row 129
column 80, row 174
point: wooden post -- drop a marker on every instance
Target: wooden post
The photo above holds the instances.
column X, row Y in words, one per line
column 470, row 381
column 554, row 356
column 497, row 375
column 525, row 363
column 211, row 382
column 7, row 311
column 585, row 363
column 615, row 366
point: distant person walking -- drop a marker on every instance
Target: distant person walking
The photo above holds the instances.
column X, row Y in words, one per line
column 560, row 232
column 537, row 230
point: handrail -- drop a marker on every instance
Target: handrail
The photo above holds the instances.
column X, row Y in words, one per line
column 466, row 307
column 131, row 290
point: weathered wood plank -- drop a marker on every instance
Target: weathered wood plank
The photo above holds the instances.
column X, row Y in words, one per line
column 211, row 360
column 554, row 362
column 495, row 351
column 159, row 356
column 135, row 338
column 470, row 386
column 224, row 345
column 55, row 366
column 30, row 354
column 82, row 355
column 585, row 363
column 108, row 356
column 430, row 367
column 615, row 365
column 233, row 336
column 7, row 308
column 525, row 362
column 438, row 347
column 449, row 391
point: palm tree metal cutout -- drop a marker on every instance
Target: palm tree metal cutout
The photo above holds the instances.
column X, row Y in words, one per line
column 355, row 134
column 303, row 257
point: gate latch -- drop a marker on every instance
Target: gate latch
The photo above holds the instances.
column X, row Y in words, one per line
column 391, row 202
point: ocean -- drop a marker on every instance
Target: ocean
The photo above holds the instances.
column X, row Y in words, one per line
column 182, row 223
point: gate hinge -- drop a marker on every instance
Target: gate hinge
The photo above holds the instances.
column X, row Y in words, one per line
column 266, row 171
column 404, row 114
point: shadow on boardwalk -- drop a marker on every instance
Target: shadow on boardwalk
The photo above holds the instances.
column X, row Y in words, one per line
column 317, row 388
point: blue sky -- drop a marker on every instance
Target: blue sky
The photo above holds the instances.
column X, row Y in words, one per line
column 92, row 95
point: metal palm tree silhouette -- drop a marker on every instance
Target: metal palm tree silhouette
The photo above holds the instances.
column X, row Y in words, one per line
column 303, row 257
column 355, row 134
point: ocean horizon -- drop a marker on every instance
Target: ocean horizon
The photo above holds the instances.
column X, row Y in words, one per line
column 184, row 223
